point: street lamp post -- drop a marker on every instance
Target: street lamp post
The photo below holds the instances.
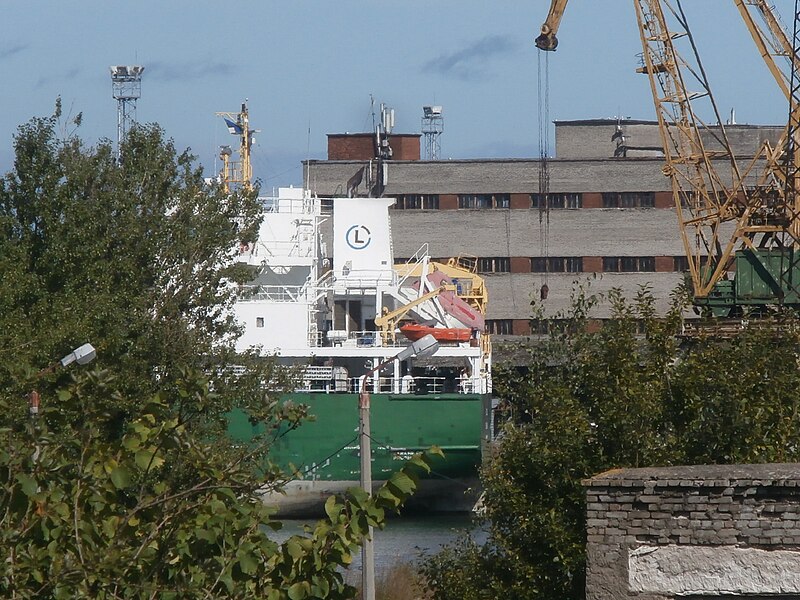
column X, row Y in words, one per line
column 424, row 346
column 81, row 355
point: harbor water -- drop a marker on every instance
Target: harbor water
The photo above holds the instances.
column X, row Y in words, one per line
column 405, row 539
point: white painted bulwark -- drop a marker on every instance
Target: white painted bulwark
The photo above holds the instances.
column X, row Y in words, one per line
column 713, row 570
column 273, row 326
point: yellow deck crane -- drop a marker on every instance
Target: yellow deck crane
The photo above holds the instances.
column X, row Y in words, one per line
column 744, row 220
column 237, row 174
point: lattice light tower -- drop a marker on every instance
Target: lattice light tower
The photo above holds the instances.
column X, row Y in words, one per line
column 432, row 128
column 126, row 89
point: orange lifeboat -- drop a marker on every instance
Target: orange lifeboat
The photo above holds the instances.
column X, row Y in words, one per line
column 414, row 331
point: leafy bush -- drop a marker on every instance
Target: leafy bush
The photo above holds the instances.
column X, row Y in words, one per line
column 632, row 394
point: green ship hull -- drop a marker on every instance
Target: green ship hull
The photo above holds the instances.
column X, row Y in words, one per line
column 324, row 452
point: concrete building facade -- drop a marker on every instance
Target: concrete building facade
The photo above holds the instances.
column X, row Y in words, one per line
column 609, row 219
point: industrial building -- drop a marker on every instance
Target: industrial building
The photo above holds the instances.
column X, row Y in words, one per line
column 608, row 219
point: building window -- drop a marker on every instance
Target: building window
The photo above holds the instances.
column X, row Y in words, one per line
column 494, row 264
column 545, row 326
column 484, row 200
column 259, row 321
column 557, row 264
column 563, row 200
column 500, row 326
column 629, row 199
column 647, row 264
column 680, row 264
column 540, row 326
column 690, row 198
column 629, row 264
column 417, row 202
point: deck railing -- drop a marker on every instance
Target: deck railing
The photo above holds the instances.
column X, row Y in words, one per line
column 329, row 379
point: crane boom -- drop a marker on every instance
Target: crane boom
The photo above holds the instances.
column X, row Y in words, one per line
column 704, row 199
column 548, row 40
column 746, row 220
column 770, row 39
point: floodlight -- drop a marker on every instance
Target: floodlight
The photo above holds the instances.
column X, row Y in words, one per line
column 82, row 355
column 425, row 346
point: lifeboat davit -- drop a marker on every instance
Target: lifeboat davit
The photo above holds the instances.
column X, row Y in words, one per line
column 453, row 304
column 414, row 331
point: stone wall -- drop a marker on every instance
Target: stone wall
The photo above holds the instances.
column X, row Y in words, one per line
column 694, row 531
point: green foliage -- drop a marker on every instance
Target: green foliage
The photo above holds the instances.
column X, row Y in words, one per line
column 135, row 257
column 128, row 486
column 631, row 394
column 157, row 511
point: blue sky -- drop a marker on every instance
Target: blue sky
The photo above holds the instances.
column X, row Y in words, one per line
column 308, row 68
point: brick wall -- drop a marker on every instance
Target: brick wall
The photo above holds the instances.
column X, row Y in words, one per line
column 592, row 200
column 520, row 201
column 664, row 264
column 702, row 531
column 448, row 201
column 361, row 146
column 664, row 200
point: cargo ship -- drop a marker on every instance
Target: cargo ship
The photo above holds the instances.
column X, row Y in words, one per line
column 327, row 297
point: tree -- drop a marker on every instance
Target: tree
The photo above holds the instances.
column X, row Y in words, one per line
column 633, row 394
column 136, row 257
column 126, row 485
column 159, row 512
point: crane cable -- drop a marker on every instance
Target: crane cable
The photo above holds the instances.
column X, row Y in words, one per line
column 544, row 174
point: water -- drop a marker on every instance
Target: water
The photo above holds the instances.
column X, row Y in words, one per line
column 405, row 539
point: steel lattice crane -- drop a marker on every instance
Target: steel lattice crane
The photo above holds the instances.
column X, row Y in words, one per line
column 740, row 219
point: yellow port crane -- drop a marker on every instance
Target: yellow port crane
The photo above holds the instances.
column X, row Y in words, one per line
column 547, row 40
column 731, row 218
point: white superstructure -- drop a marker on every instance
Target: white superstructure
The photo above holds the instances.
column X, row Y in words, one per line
column 324, row 274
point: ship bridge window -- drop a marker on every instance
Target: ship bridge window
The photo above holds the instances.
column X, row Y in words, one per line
column 484, row 200
column 561, row 200
column 494, row 264
column 417, row 202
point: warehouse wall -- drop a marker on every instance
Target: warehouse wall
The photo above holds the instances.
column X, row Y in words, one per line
column 508, row 232
column 520, row 233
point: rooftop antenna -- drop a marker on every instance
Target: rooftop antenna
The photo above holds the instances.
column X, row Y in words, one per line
column 432, row 128
column 126, row 89
column 383, row 151
column 384, row 130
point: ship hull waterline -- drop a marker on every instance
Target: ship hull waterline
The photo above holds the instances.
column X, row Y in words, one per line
column 324, row 452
